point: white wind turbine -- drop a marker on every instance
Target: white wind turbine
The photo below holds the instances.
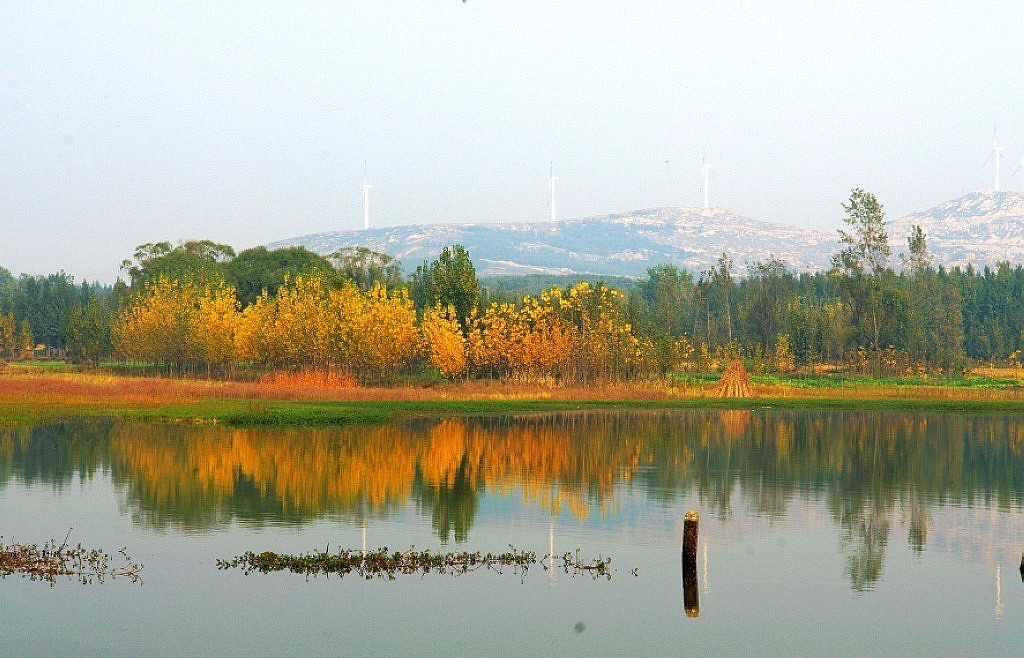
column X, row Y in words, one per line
column 997, row 151
column 552, row 180
column 366, row 200
column 704, row 168
column 366, row 205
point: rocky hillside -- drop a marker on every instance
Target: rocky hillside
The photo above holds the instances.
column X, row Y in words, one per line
column 622, row 245
column 978, row 228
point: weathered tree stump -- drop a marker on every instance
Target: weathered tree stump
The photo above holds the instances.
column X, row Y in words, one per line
column 735, row 382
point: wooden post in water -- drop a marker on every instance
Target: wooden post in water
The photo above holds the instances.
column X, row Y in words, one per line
column 691, row 597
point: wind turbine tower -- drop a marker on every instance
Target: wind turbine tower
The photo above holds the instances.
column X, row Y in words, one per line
column 553, row 179
column 998, row 152
column 704, row 167
column 366, row 205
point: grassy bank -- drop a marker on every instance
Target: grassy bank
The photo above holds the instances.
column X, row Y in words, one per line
column 32, row 396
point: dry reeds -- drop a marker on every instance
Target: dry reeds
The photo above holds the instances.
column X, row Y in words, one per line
column 27, row 389
column 308, row 379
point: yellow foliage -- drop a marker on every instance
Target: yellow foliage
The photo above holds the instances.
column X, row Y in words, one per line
column 171, row 321
column 578, row 335
column 446, row 347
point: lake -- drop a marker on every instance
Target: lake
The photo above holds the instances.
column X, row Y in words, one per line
column 820, row 533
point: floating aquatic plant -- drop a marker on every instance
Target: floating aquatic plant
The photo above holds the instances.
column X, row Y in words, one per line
column 382, row 563
column 51, row 561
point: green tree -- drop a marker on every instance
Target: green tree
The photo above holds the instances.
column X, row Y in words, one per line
column 201, row 261
column 45, row 302
column 664, row 299
column 659, row 308
column 713, row 306
column 449, row 281
column 917, row 258
column 365, row 267
column 766, row 293
column 862, row 266
column 867, row 242
column 916, row 279
column 254, row 270
column 944, row 324
column 8, row 335
column 89, row 331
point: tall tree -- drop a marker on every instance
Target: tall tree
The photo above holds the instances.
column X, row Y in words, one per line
column 201, row 261
column 89, row 331
column 867, row 242
column 366, row 267
column 665, row 296
column 862, row 265
column 46, row 303
column 254, row 270
column 917, row 258
column 448, row 281
column 767, row 290
column 917, row 279
column 722, row 294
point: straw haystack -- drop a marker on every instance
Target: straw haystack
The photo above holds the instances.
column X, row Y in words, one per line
column 735, row 382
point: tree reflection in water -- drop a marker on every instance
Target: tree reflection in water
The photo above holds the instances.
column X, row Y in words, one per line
column 869, row 468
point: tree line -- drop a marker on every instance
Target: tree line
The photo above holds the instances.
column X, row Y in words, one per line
column 200, row 307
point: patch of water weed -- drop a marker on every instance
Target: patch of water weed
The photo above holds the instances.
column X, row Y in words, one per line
column 385, row 564
column 50, row 562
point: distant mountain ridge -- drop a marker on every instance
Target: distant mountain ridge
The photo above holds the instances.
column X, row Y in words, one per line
column 978, row 228
column 624, row 244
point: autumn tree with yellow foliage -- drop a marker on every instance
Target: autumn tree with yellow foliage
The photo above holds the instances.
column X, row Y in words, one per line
column 445, row 346
column 178, row 324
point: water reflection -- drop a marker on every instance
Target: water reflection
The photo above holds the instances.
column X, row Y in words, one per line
column 871, row 470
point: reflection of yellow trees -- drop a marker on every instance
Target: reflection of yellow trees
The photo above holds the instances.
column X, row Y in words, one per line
column 548, row 459
column 309, row 471
column 562, row 461
column 861, row 464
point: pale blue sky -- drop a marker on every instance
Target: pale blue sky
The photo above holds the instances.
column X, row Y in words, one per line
column 245, row 123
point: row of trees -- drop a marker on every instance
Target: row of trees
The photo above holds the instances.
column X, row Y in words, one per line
column 861, row 313
column 312, row 322
column 201, row 305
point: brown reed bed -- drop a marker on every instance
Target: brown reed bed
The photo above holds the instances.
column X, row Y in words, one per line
column 31, row 395
column 87, row 387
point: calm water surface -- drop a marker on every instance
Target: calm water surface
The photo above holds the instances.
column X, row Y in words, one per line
column 821, row 533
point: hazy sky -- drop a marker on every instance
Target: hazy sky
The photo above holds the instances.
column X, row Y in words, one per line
column 248, row 122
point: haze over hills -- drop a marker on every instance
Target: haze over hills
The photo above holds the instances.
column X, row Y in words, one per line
column 979, row 228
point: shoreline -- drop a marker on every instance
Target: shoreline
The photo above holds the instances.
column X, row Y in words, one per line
column 30, row 397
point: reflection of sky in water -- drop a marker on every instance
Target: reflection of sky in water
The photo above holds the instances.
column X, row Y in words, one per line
column 876, row 563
